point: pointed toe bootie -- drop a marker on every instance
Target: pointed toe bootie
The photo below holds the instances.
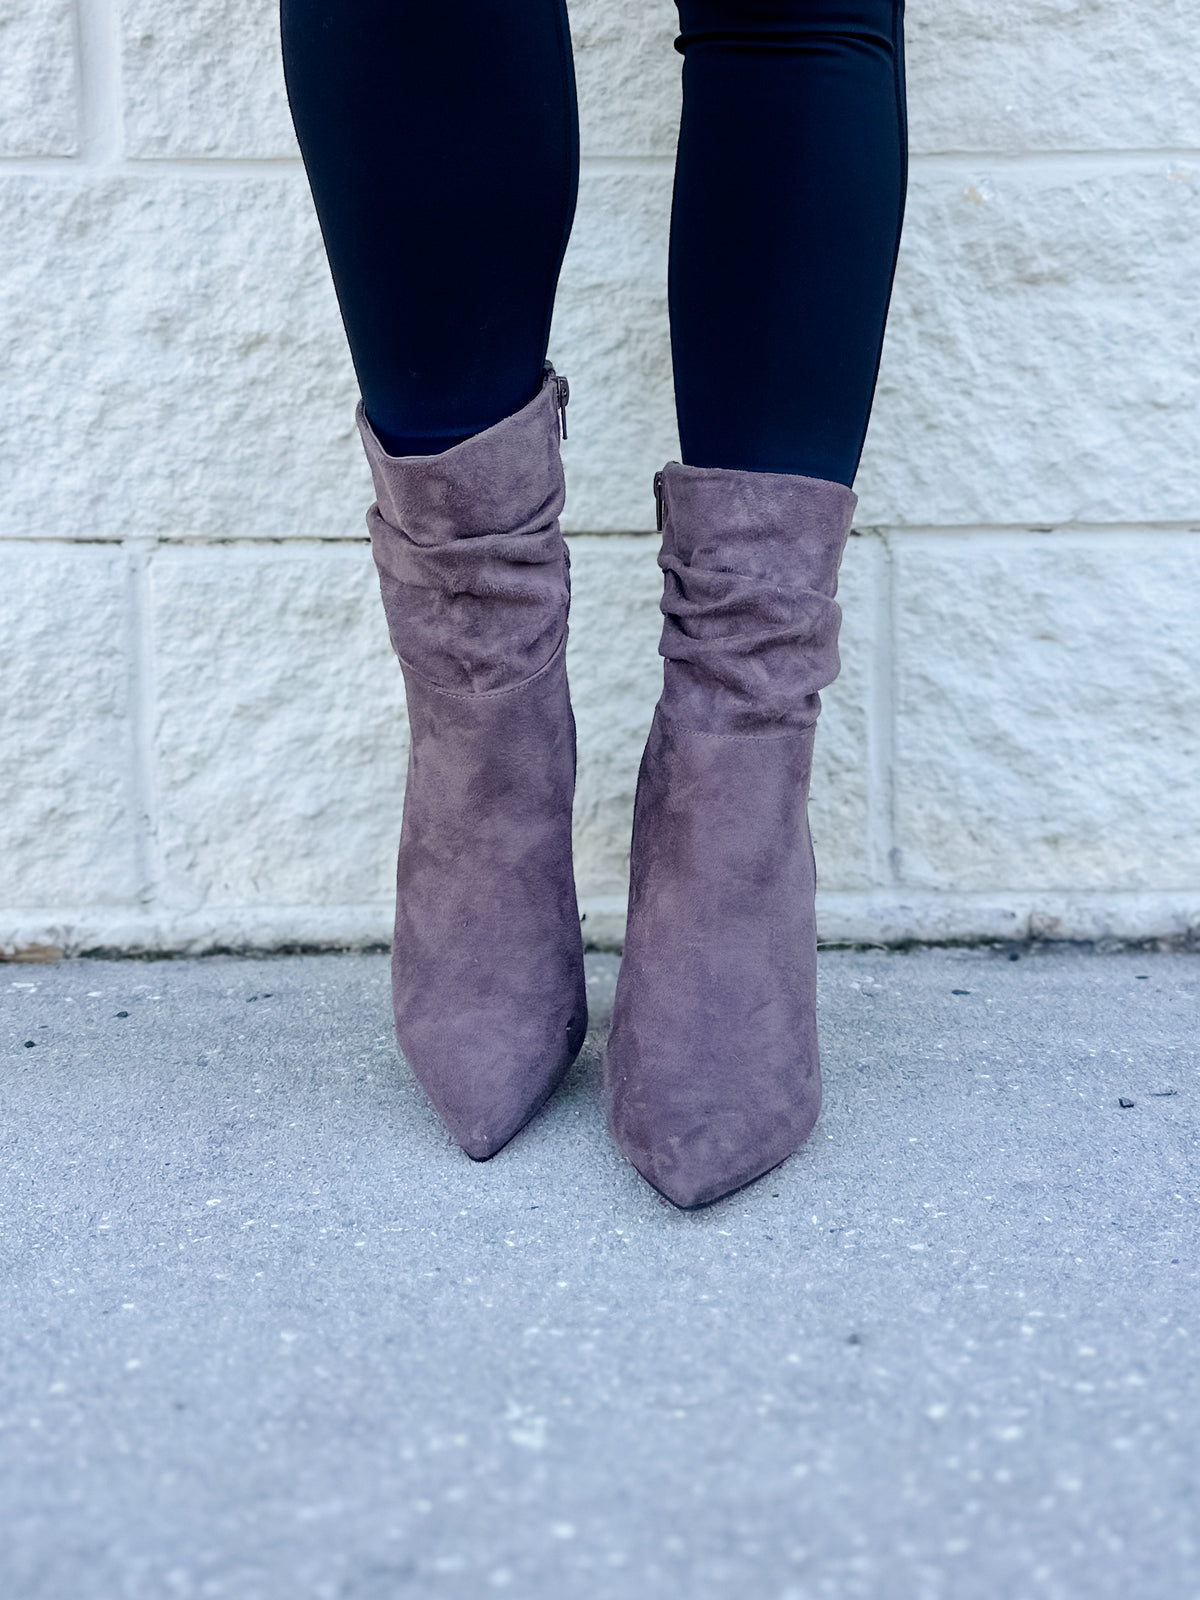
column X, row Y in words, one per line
column 487, row 963
column 712, row 1076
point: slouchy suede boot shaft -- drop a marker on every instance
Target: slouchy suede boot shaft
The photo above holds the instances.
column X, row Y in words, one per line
column 712, row 1075
column 487, row 963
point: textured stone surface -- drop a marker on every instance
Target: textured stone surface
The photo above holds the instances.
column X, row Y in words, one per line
column 1106, row 918
column 38, row 107
column 204, row 79
column 280, row 732
column 1048, row 712
column 187, row 376
column 616, row 675
column 1052, row 75
column 610, row 334
column 839, row 796
column 67, row 769
column 627, row 72
column 1042, row 362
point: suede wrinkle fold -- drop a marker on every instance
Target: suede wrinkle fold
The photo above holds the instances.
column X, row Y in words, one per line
column 487, row 963
column 712, row 1075
column 472, row 564
column 751, row 622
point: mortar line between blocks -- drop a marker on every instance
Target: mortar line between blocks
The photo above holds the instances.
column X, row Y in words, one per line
column 143, row 700
column 101, row 120
column 98, row 35
column 1126, row 159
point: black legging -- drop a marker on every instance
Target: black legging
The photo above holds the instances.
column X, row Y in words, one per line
column 441, row 142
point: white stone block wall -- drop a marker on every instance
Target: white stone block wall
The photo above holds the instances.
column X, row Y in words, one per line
column 202, row 740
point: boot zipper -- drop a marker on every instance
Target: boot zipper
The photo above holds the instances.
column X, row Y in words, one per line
column 562, row 394
column 660, row 501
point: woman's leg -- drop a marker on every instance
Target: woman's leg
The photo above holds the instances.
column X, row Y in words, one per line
column 787, row 216
column 441, row 143
column 440, row 140
column 789, row 194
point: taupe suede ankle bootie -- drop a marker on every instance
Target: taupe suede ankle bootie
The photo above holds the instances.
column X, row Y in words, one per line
column 712, row 1075
column 487, row 965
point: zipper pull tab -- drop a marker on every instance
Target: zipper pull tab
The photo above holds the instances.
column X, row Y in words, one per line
column 659, row 501
column 562, row 394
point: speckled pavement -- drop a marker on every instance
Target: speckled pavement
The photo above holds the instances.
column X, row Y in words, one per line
column 266, row 1335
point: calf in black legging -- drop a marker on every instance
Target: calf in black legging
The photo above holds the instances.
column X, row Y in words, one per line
column 441, row 142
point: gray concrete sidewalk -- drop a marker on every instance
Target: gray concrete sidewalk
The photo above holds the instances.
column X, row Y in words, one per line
column 268, row 1336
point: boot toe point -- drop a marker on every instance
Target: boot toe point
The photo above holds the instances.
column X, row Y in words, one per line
column 507, row 1095
column 695, row 1191
column 692, row 1173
